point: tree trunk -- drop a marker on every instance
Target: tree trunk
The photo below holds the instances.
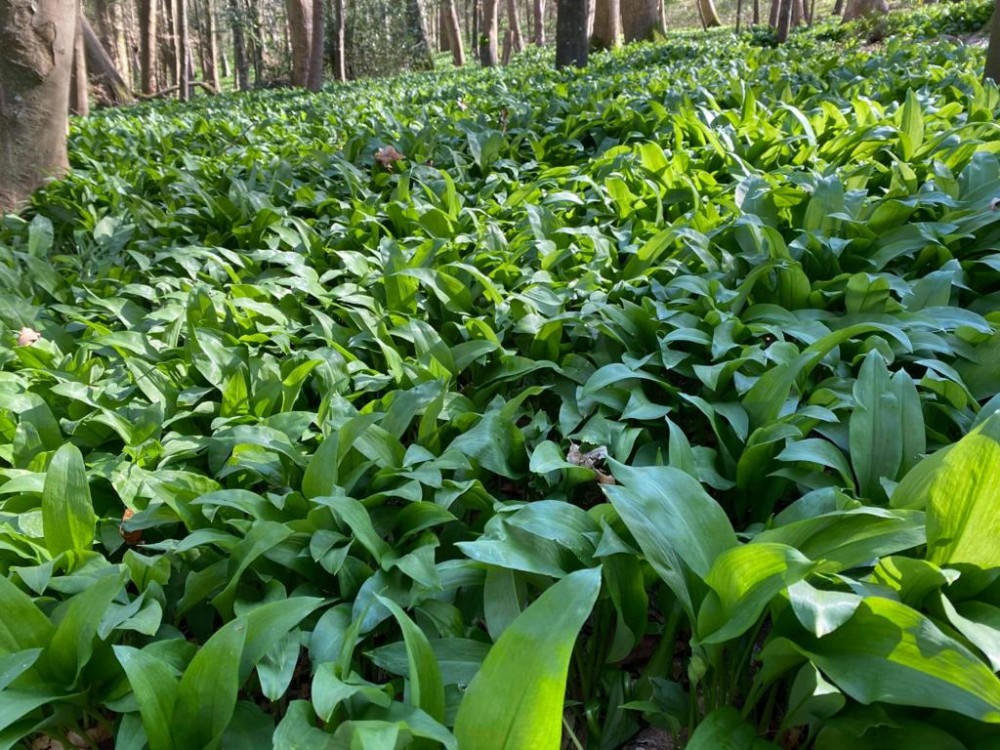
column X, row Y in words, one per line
column 256, row 42
column 339, row 68
column 709, row 13
column 488, row 33
column 539, row 12
column 993, row 51
column 417, row 33
column 774, row 14
column 454, row 32
column 147, row 44
column 300, row 33
column 316, row 56
column 36, row 57
column 784, row 20
column 607, row 24
column 183, row 51
column 571, row 33
column 79, row 93
column 798, row 13
column 513, row 20
column 211, row 47
column 240, row 60
column 859, row 8
column 101, row 69
column 444, row 38
column 640, row 19
column 838, row 8
column 756, row 12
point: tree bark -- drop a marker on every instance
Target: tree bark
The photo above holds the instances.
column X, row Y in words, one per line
column 36, row 56
column 211, row 45
column 798, row 13
column 774, row 14
column 709, row 13
column 859, row 8
column 756, row 12
column 454, row 32
column 640, row 19
column 79, row 91
column 538, row 8
column 514, row 22
column 300, row 33
column 339, row 68
column 316, row 52
column 992, row 69
column 488, row 33
column 147, row 44
column 607, row 24
column 183, row 51
column 784, row 20
column 101, row 69
column 417, row 33
column 571, row 33
column 240, row 60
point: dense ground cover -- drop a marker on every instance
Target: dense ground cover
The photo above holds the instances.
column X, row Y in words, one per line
column 621, row 387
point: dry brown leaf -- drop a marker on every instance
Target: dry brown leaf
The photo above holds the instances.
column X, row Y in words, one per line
column 588, row 460
column 27, row 336
column 387, row 156
column 130, row 537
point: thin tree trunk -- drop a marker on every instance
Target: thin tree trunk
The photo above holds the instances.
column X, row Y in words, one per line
column 101, row 68
column 444, row 38
column 488, row 34
column 34, row 95
column 739, row 14
column 257, row 41
column 184, row 50
column 211, row 47
column 147, row 44
column 454, row 32
column 316, row 56
column 640, row 19
column 240, row 60
column 79, row 93
column 571, row 33
column 992, row 69
column 539, row 13
column 756, row 12
column 515, row 26
column 339, row 69
column 607, row 24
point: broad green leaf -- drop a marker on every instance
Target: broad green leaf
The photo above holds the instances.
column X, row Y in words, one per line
column 67, row 509
column 891, row 653
column 23, row 626
column 155, row 689
column 725, row 729
column 206, row 695
column 875, row 428
column 516, row 703
column 677, row 525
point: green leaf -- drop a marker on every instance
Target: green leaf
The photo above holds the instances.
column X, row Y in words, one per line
column 676, row 524
column 155, row 689
column 67, row 511
column 424, row 687
column 23, row 626
column 206, row 697
column 516, row 700
column 891, row 653
column 725, row 729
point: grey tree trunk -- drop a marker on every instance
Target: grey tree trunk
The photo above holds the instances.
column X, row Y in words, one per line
column 454, row 32
column 488, row 52
column 300, row 31
column 183, row 51
column 708, row 13
column 571, row 33
column 240, row 60
column 514, row 22
column 36, row 55
column 211, row 45
column 79, row 91
column 147, row 45
column 784, row 20
column 993, row 51
column 101, row 69
column 538, row 9
column 339, row 67
column 417, row 32
column 640, row 19
column 316, row 56
column 859, row 8
column 607, row 24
